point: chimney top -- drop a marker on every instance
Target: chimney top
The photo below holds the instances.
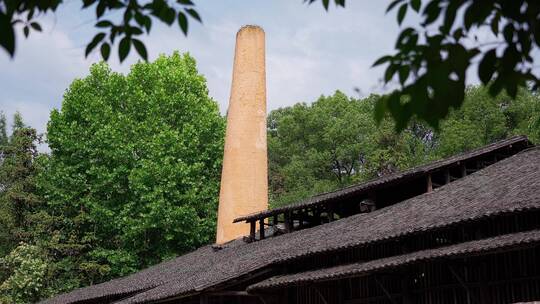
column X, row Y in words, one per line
column 250, row 27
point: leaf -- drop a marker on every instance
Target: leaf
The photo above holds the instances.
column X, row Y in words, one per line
column 7, row 39
column 87, row 3
column 193, row 13
column 123, row 48
column 382, row 60
column 168, row 15
column 486, row 68
column 105, row 51
column 141, row 49
column 183, row 22
column 148, row 23
column 495, row 24
column 185, row 2
column 392, row 5
column 36, row 26
column 404, row 73
column 26, row 31
column 401, row 13
column 325, row 4
column 458, row 34
column 97, row 39
column 508, row 32
column 416, row 4
column 389, row 73
column 100, row 8
column 537, row 33
column 431, row 12
column 450, row 16
column 104, row 23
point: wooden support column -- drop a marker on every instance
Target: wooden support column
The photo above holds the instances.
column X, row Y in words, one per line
column 462, row 282
column 203, row 299
column 447, row 176
column 261, row 229
column 386, row 292
column 406, row 288
column 330, row 213
column 429, row 183
column 287, row 221
column 252, row 228
column 300, row 218
column 463, row 170
column 275, row 223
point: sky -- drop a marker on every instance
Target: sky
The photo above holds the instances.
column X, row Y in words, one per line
column 309, row 52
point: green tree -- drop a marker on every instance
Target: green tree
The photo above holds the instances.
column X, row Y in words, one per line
column 18, row 195
column 3, row 131
column 330, row 144
column 484, row 119
column 18, row 122
column 134, row 168
column 26, row 268
column 308, row 143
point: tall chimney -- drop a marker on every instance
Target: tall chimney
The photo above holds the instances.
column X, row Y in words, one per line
column 244, row 183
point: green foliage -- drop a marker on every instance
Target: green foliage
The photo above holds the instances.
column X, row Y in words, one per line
column 133, row 175
column 332, row 143
column 3, row 131
column 26, row 275
column 137, row 19
column 432, row 60
column 18, row 196
column 335, row 141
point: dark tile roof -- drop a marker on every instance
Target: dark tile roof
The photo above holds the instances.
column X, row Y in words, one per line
column 511, row 185
column 490, row 245
column 389, row 179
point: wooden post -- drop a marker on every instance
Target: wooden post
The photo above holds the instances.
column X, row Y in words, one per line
column 261, row 229
column 463, row 170
column 287, row 221
column 252, row 228
column 429, row 183
column 275, row 223
column 447, row 176
column 203, row 299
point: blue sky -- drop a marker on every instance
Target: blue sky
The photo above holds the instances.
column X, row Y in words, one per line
column 309, row 52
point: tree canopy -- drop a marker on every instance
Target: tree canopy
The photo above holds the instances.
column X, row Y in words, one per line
column 335, row 141
column 133, row 174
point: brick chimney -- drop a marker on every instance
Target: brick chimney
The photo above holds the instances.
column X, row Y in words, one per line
column 244, row 179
